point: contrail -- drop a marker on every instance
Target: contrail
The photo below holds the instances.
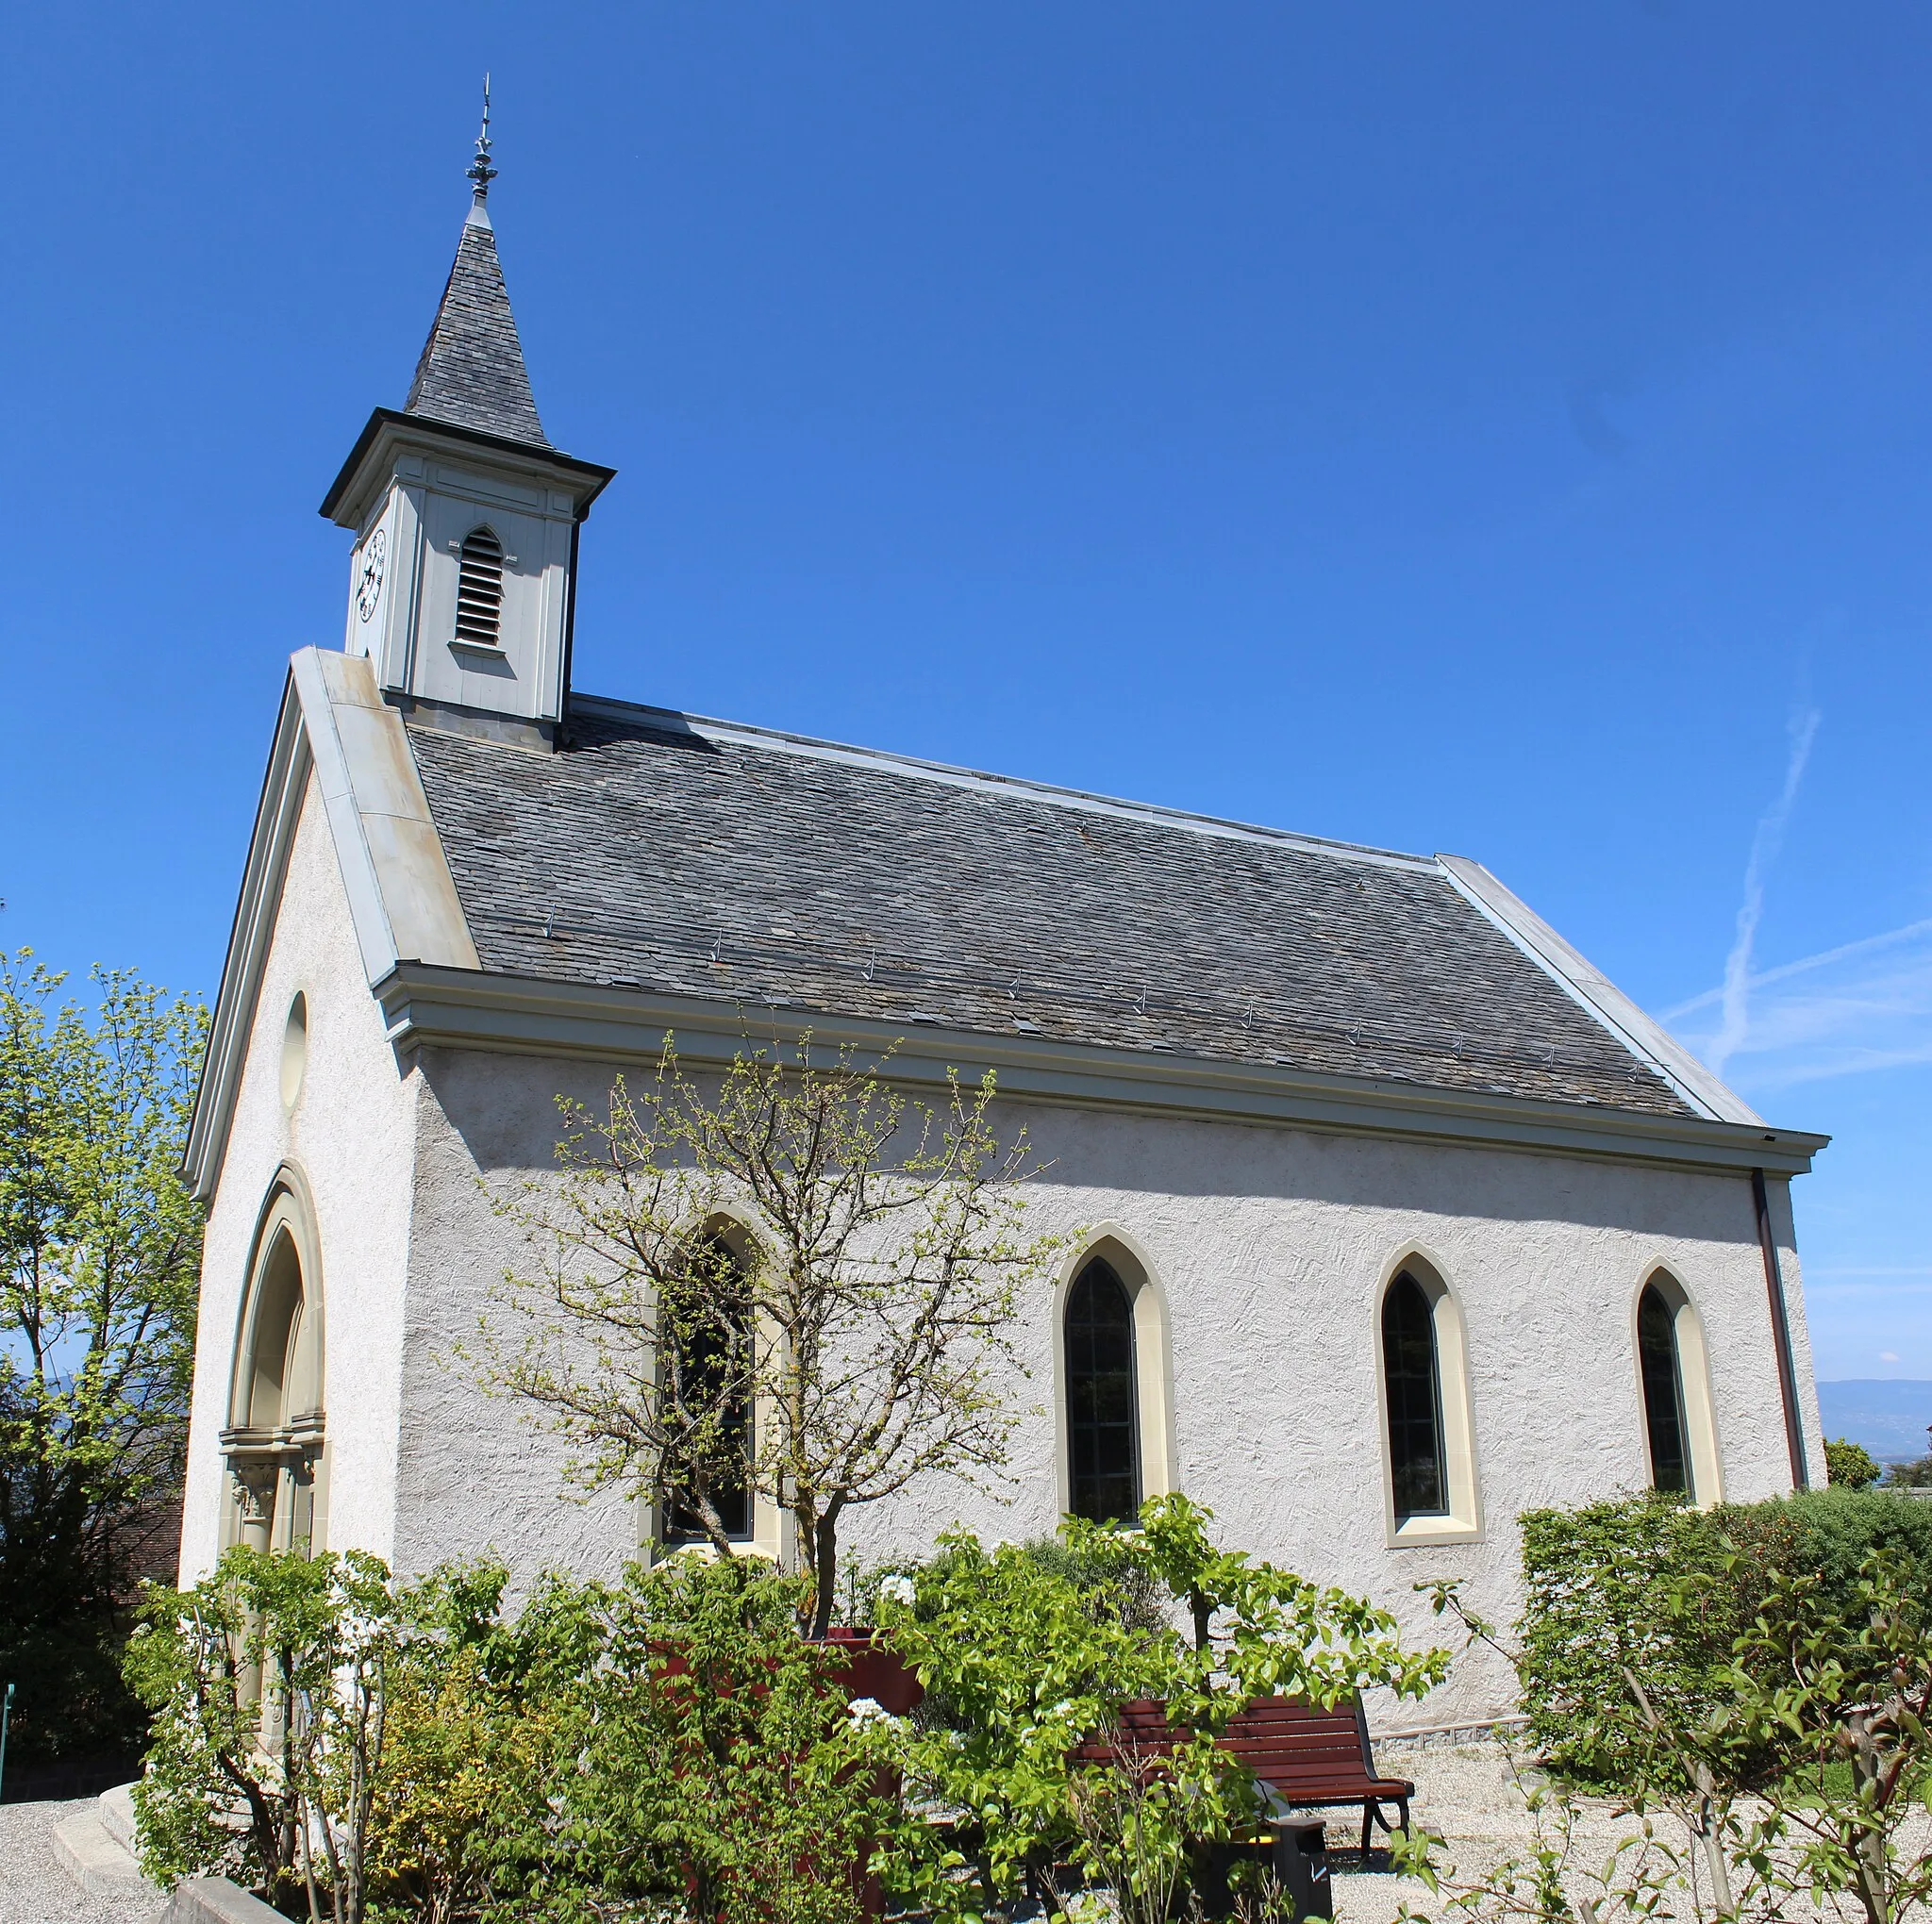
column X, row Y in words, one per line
column 1803, row 964
column 1736, row 999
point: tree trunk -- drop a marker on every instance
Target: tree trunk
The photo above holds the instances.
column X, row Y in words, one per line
column 1710, row 1848
column 1867, row 1841
column 824, row 1572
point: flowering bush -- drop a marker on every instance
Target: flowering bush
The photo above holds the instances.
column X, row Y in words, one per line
column 269, row 1681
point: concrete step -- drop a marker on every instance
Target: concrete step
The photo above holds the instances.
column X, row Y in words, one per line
column 93, row 1846
column 117, row 1815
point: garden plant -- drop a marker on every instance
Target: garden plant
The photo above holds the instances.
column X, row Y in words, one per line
column 1758, row 1701
column 1023, row 1662
column 864, row 1314
column 355, row 1749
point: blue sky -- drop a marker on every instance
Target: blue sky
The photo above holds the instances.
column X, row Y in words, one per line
column 1504, row 429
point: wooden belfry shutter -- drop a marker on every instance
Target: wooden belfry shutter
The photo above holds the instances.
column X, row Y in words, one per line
column 480, row 589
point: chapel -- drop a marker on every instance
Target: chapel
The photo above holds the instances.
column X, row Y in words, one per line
column 1388, row 1218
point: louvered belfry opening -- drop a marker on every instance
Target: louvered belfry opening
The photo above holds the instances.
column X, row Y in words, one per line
column 480, row 589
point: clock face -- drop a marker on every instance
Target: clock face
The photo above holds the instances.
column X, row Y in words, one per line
column 369, row 588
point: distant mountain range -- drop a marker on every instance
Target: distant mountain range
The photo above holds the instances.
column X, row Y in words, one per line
column 1888, row 1417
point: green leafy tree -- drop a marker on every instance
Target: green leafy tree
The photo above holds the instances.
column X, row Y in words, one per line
column 1915, row 1475
column 100, row 1250
column 866, row 1320
column 1024, row 1662
column 1849, row 1466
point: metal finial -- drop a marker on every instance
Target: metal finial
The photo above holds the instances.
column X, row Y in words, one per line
column 479, row 169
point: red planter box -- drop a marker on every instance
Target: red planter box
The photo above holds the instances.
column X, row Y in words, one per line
column 871, row 1669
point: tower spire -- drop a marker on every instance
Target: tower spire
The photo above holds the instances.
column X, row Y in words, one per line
column 472, row 371
column 459, row 503
column 479, row 170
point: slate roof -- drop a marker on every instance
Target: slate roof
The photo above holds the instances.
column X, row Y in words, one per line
column 706, row 859
column 472, row 370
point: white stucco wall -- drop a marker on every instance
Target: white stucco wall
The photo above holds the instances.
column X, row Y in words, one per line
column 1271, row 1246
column 479, row 1474
column 351, row 1135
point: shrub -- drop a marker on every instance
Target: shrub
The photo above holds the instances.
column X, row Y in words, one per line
column 1796, row 1766
column 1838, row 1529
column 1030, row 1654
column 1123, row 1586
column 1849, row 1466
column 1595, row 1588
column 355, row 1748
column 479, row 1810
column 727, row 1750
column 1601, row 1602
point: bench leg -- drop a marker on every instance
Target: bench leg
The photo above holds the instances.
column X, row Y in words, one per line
column 1372, row 1814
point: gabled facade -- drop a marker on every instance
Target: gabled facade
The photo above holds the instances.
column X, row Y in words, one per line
column 1390, row 1216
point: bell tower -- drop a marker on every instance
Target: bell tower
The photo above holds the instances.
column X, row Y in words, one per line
column 462, row 584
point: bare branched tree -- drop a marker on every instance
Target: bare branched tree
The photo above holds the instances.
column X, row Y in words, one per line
column 798, row 1287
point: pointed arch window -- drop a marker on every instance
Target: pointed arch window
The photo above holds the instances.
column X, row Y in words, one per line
column 1665, row 1422
column 1412, row 1378
column 272, row 1441
column 1103, row 1414
column 707, row 1361
column 480, row 589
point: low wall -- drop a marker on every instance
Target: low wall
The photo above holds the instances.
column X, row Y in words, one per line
column 215, row 1900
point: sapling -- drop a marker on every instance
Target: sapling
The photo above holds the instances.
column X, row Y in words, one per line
column 794, row 1287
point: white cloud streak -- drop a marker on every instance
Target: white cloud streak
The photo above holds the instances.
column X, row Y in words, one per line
column 1805, row 964
column 1735, row 997
column 1862, row 1008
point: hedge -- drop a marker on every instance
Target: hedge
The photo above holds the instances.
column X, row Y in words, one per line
column 1596, row 1581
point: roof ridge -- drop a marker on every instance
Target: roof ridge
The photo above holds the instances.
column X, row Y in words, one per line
column 1223, row 826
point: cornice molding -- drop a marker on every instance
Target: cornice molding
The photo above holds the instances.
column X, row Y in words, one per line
column 435, row 1007
column 390, row 431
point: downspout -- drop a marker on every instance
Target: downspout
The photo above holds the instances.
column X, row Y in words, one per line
column 1781, row 1332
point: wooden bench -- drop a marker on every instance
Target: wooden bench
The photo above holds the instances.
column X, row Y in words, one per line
column 1309, row 1758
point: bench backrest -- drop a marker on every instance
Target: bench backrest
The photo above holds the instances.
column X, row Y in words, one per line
column 1282, row 1739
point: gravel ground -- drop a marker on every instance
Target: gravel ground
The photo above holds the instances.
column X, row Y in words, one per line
column 1469, row 1796
column 35, row 1887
